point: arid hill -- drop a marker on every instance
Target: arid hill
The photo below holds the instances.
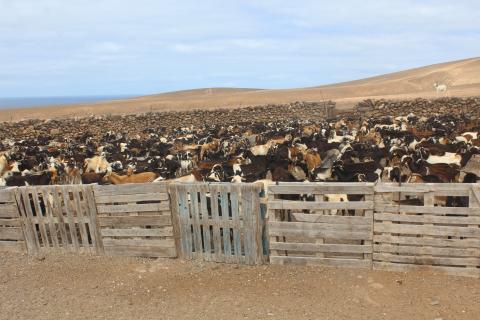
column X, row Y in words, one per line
column 462, row 78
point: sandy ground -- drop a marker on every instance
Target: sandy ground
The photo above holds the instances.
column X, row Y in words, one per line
column 462, row 78
column 88, row 287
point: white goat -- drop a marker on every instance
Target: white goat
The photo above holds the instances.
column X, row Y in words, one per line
column 440, row 88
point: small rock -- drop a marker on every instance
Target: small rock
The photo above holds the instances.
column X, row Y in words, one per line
column 40, row 257
column 434, row 302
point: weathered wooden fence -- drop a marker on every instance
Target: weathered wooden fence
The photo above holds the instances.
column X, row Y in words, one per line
column 415, row 226
column 305, row 228
column 381, row 226
column 219, row 222
column 135, row 220
column 59, row 218
column 11, row 234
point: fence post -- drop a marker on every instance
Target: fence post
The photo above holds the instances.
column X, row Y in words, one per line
column 172, row 192
column 370, row 214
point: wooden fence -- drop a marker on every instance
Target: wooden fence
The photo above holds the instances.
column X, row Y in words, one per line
column 11, row 234
column 219, row 222
column 416, row 226
column 305, row 228
column 135, row 220
column 59, row 218
column 381, row 226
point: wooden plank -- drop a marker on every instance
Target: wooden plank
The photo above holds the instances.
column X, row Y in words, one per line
column 124, row 208
column 419, row 241
column 333, row 262
column 29, row 215
column 175, row 218
column 292, row 205
column 12, row 246
column 164, row 232
column 52, row 227
column 428, row 230
column 428, row 260
column 425, row 250
column 58, row 212
column 145, row 251
column 195, row 212
column 318, row 198
column 258, row 224
column 320, row 218
column 7, row 195
column 249, row 248
column 226, row 231
column 131, row 198
column 217, row 244
column 234, row 205
column 68, row 204
column 127, row 189
column 426, row 219
column 39, row 219
column 79, row 211
column 66, row 219
column 421, row 187
column 186, row 222
column 94, row 225
column 23, row 203
column 321, row 188
column 10, row 222
column 321, row 247
column 455, row 271
column 8, row 210
column 314, row 234
column 369, row 214
column 182, row 206
column 271, row 217
column 207, row 254
column 167, row 243
column 319, row 226
column 430, row 210
column 135, row 221
column 11, row 233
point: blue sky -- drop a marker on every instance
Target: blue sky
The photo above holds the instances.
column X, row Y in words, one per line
column 96, row 47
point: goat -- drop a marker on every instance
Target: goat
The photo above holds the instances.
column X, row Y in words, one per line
column 448, row 158
column 440, row 87
column 96, row 164
column 143, row 177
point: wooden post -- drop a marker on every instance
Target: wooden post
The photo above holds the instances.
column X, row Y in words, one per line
column 175, row 215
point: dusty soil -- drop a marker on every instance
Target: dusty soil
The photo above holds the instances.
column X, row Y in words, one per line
column 87, row 287
column 462, row 78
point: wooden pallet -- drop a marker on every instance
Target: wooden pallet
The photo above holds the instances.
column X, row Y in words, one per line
column 319, row 232
column 426, row 235
column 219, row 222
column 11, row 234
column 59, row 218
column 135, row 220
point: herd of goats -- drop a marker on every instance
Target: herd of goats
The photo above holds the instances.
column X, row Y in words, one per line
column 403, row 149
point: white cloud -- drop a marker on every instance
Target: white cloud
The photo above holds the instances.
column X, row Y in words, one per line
column 173, row 44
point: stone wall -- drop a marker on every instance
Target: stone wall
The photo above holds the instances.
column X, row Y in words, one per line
column 420, row 107
column 136, row 124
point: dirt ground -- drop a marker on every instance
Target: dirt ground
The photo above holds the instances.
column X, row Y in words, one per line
column 90, row 287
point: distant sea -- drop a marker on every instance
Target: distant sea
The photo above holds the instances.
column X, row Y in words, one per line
column 29, row 102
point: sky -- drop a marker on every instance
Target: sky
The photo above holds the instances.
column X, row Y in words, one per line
column 120, row 47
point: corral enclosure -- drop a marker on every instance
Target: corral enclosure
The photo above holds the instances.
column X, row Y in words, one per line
column 383, row 226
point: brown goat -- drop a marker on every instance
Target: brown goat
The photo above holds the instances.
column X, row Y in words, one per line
column 143, row 177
